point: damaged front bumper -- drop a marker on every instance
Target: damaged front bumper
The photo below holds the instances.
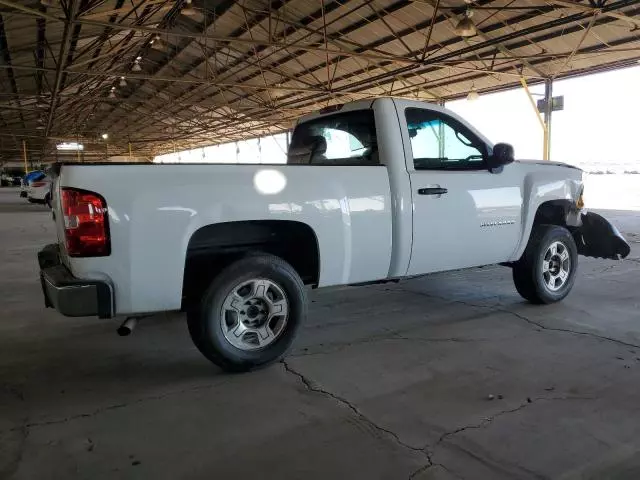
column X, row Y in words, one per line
column 596, row 237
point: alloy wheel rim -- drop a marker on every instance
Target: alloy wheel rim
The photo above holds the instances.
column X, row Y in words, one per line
column 254, row 314
column 556, row 266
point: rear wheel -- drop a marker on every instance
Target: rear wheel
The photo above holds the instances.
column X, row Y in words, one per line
column 546, row 272
column 250, row 313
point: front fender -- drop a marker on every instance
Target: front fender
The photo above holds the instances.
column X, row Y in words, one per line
column 596, row 237
column 539, row 188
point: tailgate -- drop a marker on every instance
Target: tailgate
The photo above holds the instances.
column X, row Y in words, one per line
column 56, row 211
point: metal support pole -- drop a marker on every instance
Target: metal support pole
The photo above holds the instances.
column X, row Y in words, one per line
column 441, row 140
column 548, row 108
column 535, row 109
column 24, row 153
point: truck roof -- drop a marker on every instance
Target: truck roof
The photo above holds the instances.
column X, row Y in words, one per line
column 357, row 105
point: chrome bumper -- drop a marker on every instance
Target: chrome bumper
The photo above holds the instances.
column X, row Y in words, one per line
column 69, row 295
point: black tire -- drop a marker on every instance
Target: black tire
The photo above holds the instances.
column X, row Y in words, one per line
column 47, row 200
column 205, row 324
column 528, row 275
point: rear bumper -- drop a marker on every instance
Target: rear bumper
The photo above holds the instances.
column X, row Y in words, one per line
column 69, row 295
column 596, row 237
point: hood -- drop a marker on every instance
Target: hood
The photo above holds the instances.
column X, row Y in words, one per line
column 548, row 162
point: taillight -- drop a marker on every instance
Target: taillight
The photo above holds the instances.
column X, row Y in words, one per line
column 38, row 184
column 86, row 225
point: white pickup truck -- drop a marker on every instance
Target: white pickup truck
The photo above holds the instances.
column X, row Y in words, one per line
column 373, row 190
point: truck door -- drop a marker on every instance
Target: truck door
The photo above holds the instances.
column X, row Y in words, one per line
column 463, row 214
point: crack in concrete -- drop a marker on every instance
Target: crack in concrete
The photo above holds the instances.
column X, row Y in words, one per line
column 568, row 330
column 528, row 320
column 12, row 467
column 429, row 466
column 315, row 388
column 116, row 406
column 490, row 419
column 603, row 270
column 485, row 421
column 337, row 347
column 428, row 450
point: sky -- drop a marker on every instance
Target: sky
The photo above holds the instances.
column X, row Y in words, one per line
column 596, row 130
column 599, row 123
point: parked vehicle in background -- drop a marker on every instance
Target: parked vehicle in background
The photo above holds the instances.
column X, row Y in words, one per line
column 39, row 191
column 9, row 179
column 34, row 176
column 374, row 191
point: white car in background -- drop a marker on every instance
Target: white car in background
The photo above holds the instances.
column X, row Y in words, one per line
column 40, row 191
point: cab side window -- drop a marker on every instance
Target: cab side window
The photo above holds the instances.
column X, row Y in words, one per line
column 347, row 138
column 439, row 142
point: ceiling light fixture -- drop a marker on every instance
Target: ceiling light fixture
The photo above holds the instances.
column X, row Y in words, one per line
column 158, row 43
column 465, row 27
column 188, row 9
column 136, row 66
column 70, row 146
column 473, row 94
column 123, row 82
column 112, row 94
column 105, row 136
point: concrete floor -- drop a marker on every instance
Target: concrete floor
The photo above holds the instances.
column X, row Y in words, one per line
column 384, row 382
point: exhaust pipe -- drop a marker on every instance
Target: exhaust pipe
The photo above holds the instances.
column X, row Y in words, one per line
column 127, row 326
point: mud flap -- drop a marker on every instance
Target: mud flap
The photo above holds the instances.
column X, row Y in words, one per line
column 596, row 237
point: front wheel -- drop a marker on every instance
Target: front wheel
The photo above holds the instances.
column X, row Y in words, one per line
column 250, row 313
column 546, row 272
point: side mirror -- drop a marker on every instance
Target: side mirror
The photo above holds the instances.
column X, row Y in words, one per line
column 502, row 155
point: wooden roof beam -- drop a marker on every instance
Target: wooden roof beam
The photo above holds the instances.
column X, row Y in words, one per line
column 72, row 13
column 596, row 11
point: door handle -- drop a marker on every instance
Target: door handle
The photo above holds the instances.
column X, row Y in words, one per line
column 432, row 191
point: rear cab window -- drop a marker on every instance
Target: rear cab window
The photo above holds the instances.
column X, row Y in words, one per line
column 347, row 138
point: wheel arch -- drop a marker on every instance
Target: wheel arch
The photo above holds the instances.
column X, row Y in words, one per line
column 550, row 212
column 213, row 247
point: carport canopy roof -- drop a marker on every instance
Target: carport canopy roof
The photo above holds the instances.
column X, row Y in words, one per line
column 160, row 76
